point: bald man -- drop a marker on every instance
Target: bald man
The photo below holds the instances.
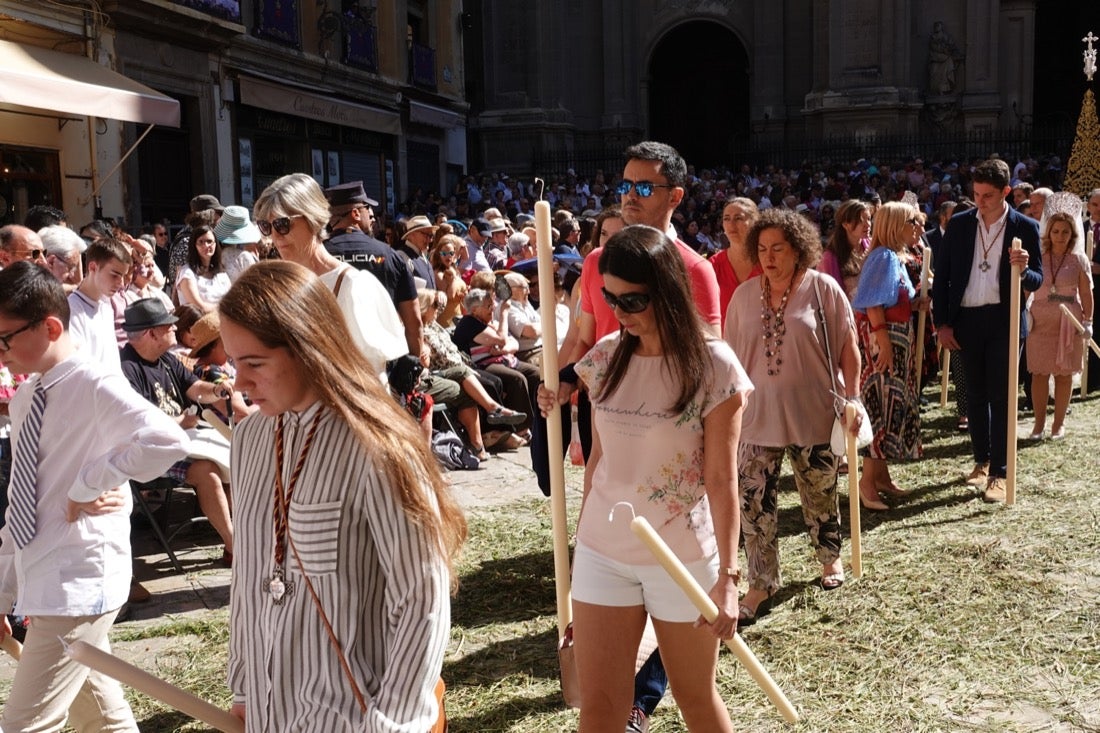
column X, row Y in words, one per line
column 20, row 243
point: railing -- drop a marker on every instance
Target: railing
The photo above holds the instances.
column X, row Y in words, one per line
column 760, row 150
column 361, row 44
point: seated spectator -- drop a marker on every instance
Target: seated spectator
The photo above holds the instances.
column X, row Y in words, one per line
column 239, row 239
column 524, row 324
column 63, row 250
column 496, row 247
column 188, row 316
column 448, row 279
column 161, row 378
column 212, row 365
column 492, row 349
column 202, row 281
column 142, row 284
column 91, row 323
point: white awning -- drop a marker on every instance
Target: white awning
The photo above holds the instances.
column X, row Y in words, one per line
column 426, row 114
column 292, row 101
column 62, row 82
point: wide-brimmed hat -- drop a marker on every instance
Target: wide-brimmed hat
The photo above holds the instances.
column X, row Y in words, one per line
column 205, row 201
column 348, row 195
column 416, row 224
column 497, row 225
column 146, row 313
column 236, row 227
column 206, row 331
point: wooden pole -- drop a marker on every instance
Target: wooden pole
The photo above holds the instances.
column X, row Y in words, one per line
column 1013, row 378
column 1079, row 328
column 558, row 520
column 216, row 422
column 850, row 412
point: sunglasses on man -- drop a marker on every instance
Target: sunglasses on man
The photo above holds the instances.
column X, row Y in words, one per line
column 644, row 188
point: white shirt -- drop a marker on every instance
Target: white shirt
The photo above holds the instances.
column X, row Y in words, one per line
column 371, row 317
column 97, row 432
column 984, row 287
column 92, row 329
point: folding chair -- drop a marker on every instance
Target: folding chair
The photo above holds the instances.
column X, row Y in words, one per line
column 161, row 530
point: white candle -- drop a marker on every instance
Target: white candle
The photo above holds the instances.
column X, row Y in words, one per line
column 216, row 422
column 559, row 522
column 154, row 687
column 850, row 412
column 702, row 601
column 1079, row 328
column 1013, row 377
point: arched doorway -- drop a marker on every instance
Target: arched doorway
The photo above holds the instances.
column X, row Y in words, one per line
column 699, row 93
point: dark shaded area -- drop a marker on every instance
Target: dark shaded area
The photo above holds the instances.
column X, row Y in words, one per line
column 1059, row 62
column 699, row 93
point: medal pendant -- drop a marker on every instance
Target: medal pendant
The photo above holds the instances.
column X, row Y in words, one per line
column 984, row 267
column 278, row 587
column 1054, row 289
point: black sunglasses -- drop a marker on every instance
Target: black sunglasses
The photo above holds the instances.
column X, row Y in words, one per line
column 627, row 302
column 5, row 340
column 644, row 188
column 280, row 225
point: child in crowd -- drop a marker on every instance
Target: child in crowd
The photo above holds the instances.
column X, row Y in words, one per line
column 78, row 432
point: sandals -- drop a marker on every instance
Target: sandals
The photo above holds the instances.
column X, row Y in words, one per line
column 832, row 581
column 748, row 616
column 504, row 416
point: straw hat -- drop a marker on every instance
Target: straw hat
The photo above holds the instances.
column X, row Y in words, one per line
column 206, row 331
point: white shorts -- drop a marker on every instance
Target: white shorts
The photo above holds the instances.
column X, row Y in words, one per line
column 601, row 581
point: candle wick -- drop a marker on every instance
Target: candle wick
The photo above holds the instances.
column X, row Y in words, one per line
column 611, row 514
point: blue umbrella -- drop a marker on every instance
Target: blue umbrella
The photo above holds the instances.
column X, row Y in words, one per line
column 532, row 263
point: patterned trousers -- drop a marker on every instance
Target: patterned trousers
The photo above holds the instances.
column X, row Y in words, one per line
column 815, row 474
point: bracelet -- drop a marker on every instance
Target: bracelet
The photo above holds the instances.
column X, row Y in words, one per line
column 731, row 573
column 568, row 374
column 879, row 327
column 854, row 398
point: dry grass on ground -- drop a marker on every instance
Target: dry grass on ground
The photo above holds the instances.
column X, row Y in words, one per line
column 969, row 617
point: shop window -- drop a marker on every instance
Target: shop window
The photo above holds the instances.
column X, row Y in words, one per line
column 28, row 177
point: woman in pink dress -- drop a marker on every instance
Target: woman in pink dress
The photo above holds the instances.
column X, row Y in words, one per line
column 1053, row 345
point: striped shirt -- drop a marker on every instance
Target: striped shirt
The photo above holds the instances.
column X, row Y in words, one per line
column 383, row 587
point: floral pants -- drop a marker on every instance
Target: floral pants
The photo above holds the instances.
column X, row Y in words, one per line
column 815, row 473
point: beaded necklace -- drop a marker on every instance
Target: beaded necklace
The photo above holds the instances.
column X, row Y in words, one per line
column 774, row 327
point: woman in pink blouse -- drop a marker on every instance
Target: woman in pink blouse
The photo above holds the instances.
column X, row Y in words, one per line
column 667, row 404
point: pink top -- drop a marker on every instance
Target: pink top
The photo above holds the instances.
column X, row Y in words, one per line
column 704, row 290
column 652, row 458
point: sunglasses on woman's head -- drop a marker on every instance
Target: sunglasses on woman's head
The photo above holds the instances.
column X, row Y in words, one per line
column 644, row 188
column 627, row 302
column 280, row 225
column 446, row 253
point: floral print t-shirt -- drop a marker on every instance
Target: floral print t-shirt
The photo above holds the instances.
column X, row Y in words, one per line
column 652, row 458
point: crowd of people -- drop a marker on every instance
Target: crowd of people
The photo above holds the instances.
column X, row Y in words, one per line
column 723, row 321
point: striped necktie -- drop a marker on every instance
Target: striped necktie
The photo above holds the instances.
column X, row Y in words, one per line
column 22, row 494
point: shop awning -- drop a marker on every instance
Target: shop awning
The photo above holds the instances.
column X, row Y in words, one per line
column 62, row 82
column 293, row 101
column 426, row 114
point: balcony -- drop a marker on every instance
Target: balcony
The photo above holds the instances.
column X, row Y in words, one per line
column 422, row 66
column 207, row 24
column 360, row 43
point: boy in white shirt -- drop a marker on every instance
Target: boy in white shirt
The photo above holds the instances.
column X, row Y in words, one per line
column 92, row 320
column 78, row 433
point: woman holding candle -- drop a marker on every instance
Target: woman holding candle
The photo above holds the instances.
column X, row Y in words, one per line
column 885, row 301
column 1053, row 346
column 775, row 326
column 658, row 382
column 340, row 609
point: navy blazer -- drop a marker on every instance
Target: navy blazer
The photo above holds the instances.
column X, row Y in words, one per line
column 956, row 255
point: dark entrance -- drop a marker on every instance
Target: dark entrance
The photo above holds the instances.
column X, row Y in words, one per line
column 1059, row 62
column 699, row 93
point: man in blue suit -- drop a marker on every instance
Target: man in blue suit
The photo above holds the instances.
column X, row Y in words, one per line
column 970, row 306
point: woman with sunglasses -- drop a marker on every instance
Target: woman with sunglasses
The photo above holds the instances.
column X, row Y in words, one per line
column 202, row 281
column 345, row 556
column 659, row 382
column 885, row 300
column 775, row 326
column 447, row 277
column 293, row 211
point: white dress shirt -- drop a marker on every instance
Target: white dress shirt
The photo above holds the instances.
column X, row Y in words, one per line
column 92, row 329
column 97, row 432
column 984, row 288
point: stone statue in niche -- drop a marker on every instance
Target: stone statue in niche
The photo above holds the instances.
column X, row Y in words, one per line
column 944, row 61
